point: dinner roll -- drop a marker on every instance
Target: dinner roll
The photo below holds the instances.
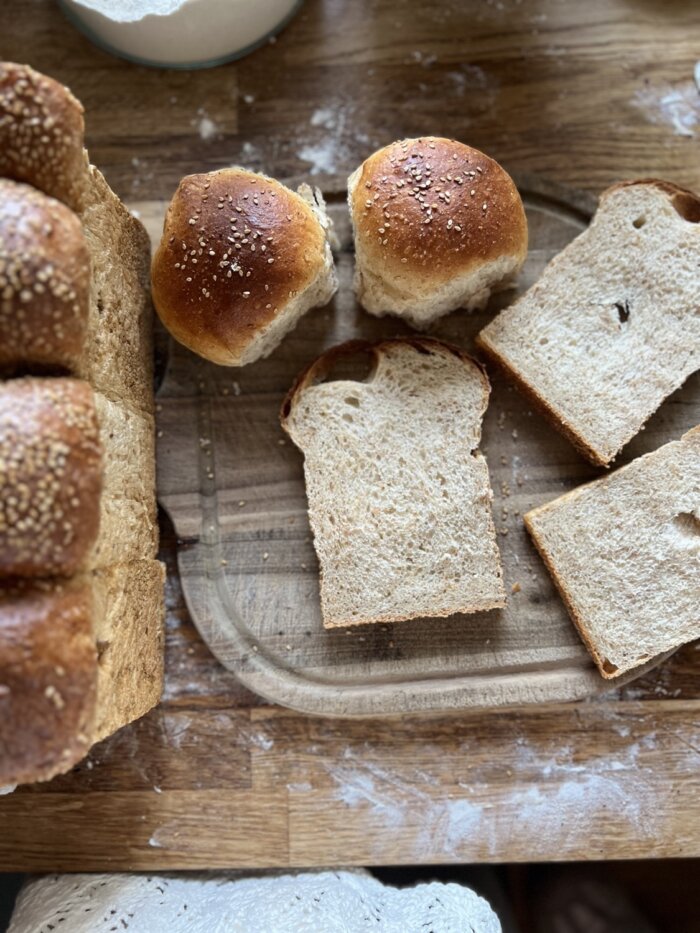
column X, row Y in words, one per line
column 438, row 226
column 241, row 259
column 42, row 134
column 44, row 281
column 50, row 476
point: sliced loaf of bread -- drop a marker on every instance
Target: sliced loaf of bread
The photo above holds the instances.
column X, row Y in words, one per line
column 399, row 494
column 624, row 552
column 613, row 325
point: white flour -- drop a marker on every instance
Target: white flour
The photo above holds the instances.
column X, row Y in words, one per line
column 677, row 106
column 330, row 139
column 206, row 127
column 552, row 798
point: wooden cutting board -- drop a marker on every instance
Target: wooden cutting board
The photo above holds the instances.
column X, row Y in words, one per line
column 233, row 485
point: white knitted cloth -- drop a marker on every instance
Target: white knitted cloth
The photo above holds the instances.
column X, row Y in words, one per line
column 308, row 902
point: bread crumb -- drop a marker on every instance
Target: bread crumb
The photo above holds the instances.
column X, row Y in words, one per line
column 224, row 563
column 241, row 503
column 515, row 588
column 265, row 555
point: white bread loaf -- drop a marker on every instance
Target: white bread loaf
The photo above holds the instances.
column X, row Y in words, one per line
column 612, row 326
column 399, row 494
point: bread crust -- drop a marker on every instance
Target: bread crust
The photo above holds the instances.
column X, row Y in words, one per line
column 44, row 281
column 668, row 187
column 555, row 419
column 323, row 364
column 237, row 249
column 50, row 476
column 429, row 209
column 42, row 134
column 605, row 669
column 48, row 677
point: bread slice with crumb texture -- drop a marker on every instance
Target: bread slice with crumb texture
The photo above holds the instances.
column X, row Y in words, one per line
column 613, row 325
column 399, row 493
column 624, row 552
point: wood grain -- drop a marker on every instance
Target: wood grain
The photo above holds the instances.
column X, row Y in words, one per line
column 536, row 786
column 572, row 91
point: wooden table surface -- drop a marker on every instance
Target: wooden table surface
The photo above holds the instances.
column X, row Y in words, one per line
column 584, row 93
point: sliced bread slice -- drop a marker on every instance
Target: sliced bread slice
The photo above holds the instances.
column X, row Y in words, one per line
column 613, row 325
column 399, row 494
column 624, row 552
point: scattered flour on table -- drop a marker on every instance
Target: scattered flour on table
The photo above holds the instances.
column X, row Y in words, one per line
column 552, row 798
column 250, row 155
column 677, row 106
column 261, row 740
column 206, row 127
column 331, row 136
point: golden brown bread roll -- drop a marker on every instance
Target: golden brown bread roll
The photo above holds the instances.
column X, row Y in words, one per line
column 241, row 259
column 44, row 281
column 41, row 134
column 438, row 226
column 48, row 677
column 50, row 476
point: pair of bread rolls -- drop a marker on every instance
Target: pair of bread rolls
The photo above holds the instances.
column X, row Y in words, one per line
column 437, row 224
